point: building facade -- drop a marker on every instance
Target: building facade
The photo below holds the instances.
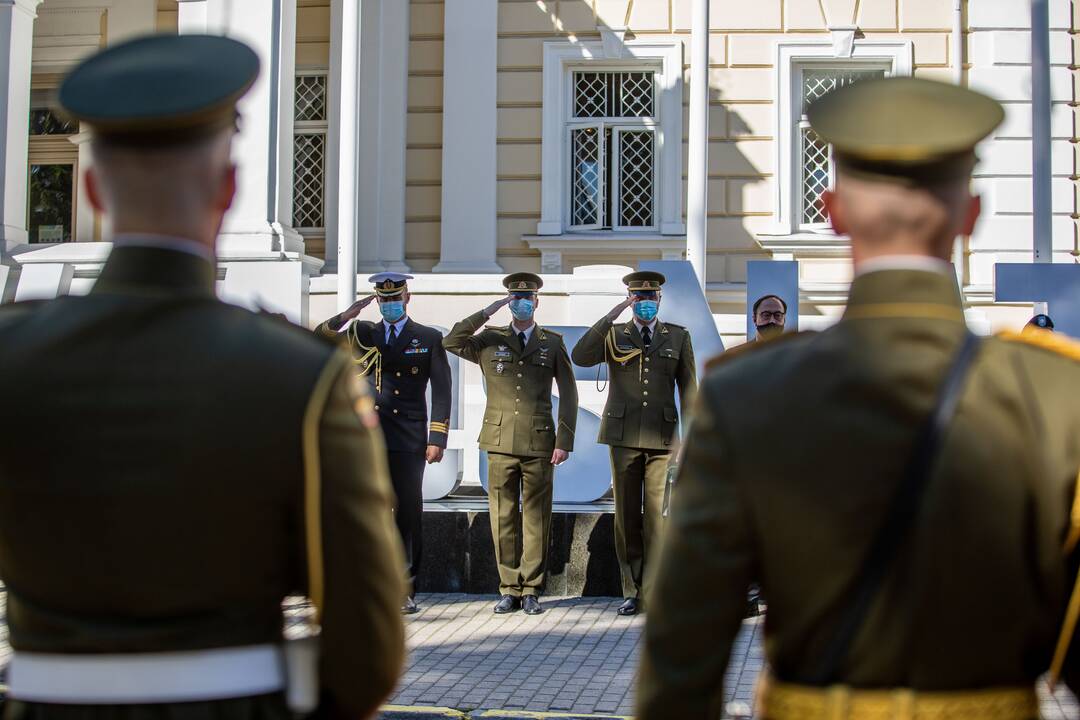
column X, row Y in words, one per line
column 462, row 139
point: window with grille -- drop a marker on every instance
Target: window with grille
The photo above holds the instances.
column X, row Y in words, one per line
column 612, row 147
column 309, row 153
column 815, row 155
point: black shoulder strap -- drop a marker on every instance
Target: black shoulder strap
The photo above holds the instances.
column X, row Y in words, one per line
column 903, row 511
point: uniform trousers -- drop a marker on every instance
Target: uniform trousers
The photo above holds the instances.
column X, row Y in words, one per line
column 522, row 535
column 638, row 480
column 407, row 477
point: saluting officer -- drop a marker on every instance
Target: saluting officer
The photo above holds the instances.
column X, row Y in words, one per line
column 202, row 461
column 900, row 488
column 399, row 357
column 522, row 441
column 646, row 359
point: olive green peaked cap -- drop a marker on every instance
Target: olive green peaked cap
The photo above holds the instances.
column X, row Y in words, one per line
column 523, row 282
column 160, row 90
column 905, row 128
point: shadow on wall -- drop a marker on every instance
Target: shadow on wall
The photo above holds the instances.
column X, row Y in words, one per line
column 740, row 163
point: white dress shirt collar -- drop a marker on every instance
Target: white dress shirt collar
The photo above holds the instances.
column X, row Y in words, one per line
column 641, row 325
column 528, row 332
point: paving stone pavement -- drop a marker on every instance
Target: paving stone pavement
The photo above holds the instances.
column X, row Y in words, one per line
column 578, row 658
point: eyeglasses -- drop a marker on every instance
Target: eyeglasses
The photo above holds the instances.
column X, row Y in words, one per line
column 766, row 315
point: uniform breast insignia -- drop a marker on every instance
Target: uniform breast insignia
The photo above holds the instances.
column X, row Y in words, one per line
column 499, row 368
column 503, row 352
column 415, row 349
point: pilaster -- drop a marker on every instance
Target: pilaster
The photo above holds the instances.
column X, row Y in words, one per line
column 470, row 128
column 16, row 39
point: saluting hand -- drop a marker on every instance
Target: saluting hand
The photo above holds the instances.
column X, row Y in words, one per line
column 617, row 310
column 558, row 457
column 353, row 310
column 494, row 307
column 434, row 454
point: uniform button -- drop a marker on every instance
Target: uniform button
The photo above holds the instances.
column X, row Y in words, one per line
column 648, row 359
column 399, row 374
column 644, row 404
column 519, row 374
column 395, row 411
column 646, row 382
column 376, row 407
column 517, row 400
column 518, row 387
column 646, row 392
column 521, row 362
column 646, row 369
column 396, row 392
column 515, row 412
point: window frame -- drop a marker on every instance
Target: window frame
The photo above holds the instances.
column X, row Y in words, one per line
column 792, row 57
column 52, row 149
column 617, row 125
column 561, row 60
column 313, row 127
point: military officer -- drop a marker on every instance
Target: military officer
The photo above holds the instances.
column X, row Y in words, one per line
column 399, row 357
column 908, row 520
column 202, row 462
column 522, row 441
column 646, row 359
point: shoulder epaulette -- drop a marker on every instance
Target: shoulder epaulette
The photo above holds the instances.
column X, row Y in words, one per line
column 1047, row 340
column 549, row 331
column 674, row 325
column 751, row 347
column 497, row 328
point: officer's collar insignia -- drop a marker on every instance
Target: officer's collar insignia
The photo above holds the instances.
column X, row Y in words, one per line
column 626, row 330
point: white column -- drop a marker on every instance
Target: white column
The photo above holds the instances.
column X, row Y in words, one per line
column 191, row 17
column 261, row 216
column 394, row 82
column 698, row 170
column 470, row 57
column 342, row 153
column 16, row 39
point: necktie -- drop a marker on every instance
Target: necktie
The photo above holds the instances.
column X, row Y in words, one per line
column 646, row 336
column 521, row 337
column 393, row 335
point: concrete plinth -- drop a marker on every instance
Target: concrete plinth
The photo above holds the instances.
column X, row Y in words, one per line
column 459, row 555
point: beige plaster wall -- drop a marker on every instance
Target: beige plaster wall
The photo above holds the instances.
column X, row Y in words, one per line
column 423, row 141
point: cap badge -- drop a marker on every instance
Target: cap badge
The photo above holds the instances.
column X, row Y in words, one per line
column 388, row 285
column 522, row 285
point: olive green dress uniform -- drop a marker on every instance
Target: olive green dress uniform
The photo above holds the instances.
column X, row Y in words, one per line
column 156, row 498
column 968, row 617
column 640, row 424
column 520, row 435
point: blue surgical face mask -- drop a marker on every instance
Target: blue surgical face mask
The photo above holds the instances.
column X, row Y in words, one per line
column 522, row 309
column 392, row 311
column 645, row 310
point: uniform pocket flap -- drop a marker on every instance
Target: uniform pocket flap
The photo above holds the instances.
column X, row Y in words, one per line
column 672, row 353
column 493, row 417
column 542, row 424
column 615, row 410
column 670, row 415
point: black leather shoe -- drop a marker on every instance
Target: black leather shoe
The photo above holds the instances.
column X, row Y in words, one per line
column 629, row 607
column 531, row 605
column 507, row 604
column 409, row 607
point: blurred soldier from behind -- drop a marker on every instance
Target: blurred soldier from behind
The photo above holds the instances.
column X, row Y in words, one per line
column 399, row 357
column 1039, row 322
column 908, row 533
column 201, row 462
column 769, row 312
column 519, row 362
column 646, row 360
